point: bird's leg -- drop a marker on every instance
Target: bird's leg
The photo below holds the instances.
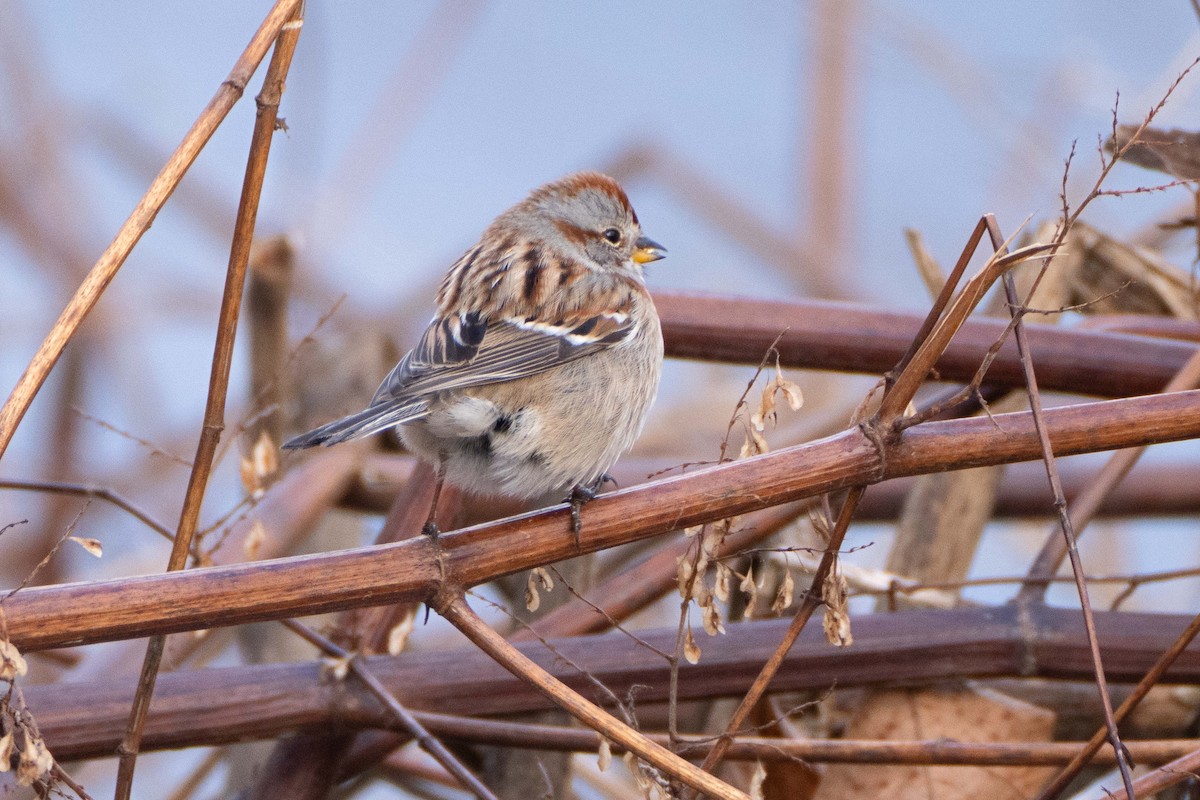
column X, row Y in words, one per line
column 581, row 494
column 430, row 528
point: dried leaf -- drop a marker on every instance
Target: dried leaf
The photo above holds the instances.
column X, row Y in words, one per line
column 760, row 442
column 249, row 481
column 259, row 468
column 714, row 537
column 684, row 570
column 783, row 598
column 12, row 663
column 604, row 755
column 747, row 448
column 766, row 408
column 750, row 589
column 6, row 751
column 700, row 565
column 265, row 457
column 723, row 582
column 692, row 531
column 93, row 546
column 691, row 650
column 791, row 392
column 711, row 617
column 755, row 789
column 398, row 635
column 533, row 600
column 35, row 761
column 544, row 578
column 821, row 523
column 254, row 540
column 837, row 612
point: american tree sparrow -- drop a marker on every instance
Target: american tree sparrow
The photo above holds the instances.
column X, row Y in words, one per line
column 544, row 355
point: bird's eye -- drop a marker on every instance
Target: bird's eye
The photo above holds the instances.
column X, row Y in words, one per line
column 613, row 235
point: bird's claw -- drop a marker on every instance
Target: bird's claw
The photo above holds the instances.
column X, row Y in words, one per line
column 580, row 494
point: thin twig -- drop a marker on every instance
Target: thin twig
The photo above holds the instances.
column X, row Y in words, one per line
column 214, row 412
column 844, row 751
column 98, row 492
column 1060, row 504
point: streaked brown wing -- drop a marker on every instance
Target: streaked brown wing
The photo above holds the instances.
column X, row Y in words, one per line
column 458, row 352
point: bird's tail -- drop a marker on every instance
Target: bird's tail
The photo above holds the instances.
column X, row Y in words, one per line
column 371, row 420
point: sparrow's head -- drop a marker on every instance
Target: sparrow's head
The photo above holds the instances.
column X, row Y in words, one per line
column 589, row 212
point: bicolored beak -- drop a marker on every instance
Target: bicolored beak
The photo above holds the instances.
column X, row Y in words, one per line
column 648, row 250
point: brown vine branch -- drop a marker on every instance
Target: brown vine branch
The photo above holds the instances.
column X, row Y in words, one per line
column 217, row 705
column 56, row 616
column 870, row 339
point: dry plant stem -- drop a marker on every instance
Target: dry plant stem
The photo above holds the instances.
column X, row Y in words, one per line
column 368, row 628
column 846, row 751
column 1060, row 504
column 931, row 341
column 139, row 221
column 1151, row 679
column 941, row 300
column 1086, row 506
column 633, row 589
column 214, row 412
column 452, row 605
column 409, row 722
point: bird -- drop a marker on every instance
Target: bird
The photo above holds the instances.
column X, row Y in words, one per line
column 542, row 359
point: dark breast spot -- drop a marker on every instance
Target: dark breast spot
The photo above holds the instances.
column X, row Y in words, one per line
column 479, row 445
column 503, row 423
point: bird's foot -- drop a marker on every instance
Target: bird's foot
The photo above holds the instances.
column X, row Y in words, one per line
column 580, row 494
column 431, row 529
